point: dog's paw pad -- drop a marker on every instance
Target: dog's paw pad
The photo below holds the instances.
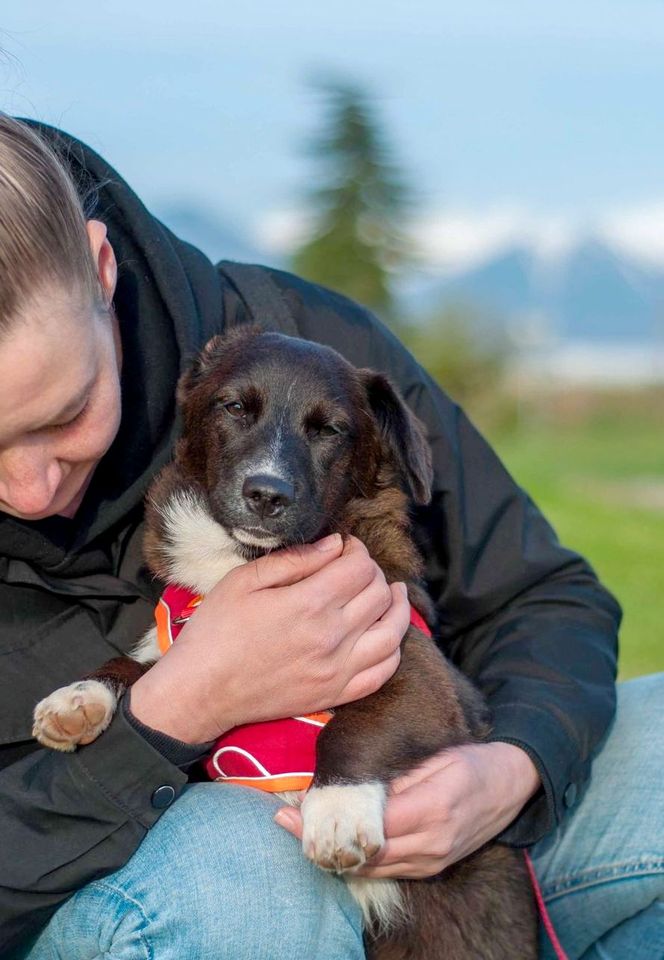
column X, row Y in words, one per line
column 343, row 825
column 73, row 715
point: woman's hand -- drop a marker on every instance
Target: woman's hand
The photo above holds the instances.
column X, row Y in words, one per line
column 293, row 632
column 446, row 808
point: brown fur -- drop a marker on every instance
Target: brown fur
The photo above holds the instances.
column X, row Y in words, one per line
column 118, row 673
column 477, row 909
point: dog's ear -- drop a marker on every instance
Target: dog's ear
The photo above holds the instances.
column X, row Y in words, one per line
column 403, row 433
column 211, row 353
column 199, row 366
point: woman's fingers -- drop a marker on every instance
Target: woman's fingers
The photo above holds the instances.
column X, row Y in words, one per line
column 368, row 681
column 341, row 580
column 376, row 654
column 286, row 567
column 403, row 869
column 368, row 607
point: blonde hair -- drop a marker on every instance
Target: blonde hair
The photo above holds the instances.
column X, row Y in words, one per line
column 43, row 237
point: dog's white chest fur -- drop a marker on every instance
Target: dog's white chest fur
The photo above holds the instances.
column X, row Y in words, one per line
column 199, row 554
column 199, row 550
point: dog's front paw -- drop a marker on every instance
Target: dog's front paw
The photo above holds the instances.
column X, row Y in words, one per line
column 343, row 825
column 73, row 715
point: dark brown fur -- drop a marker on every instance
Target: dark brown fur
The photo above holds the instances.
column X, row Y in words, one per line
column 118, row 673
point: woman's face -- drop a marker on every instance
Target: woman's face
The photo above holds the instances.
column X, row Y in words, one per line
column 59, row 409
column 59, row 397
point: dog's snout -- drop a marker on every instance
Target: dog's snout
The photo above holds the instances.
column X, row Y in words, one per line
column 266, row 495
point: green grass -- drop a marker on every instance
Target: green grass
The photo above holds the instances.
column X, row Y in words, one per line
column 601, row 485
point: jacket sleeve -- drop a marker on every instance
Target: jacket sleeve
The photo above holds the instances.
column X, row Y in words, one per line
column 68, row 819
column 524, row 617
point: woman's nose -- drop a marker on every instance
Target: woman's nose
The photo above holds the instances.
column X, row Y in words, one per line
column 29, row 480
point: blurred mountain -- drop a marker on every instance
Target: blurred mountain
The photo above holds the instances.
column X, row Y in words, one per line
column 217, row 238
column 503, row 286
column 588, row 293
column 603, row 296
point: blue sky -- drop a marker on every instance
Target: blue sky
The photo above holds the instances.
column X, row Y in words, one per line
column 502, row 112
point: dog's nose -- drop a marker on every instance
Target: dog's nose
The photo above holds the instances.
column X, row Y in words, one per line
column 267, row 496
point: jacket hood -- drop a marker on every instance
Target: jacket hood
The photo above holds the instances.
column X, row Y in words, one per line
column 168, row 302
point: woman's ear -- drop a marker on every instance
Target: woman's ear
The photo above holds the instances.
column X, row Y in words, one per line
column 104, row 258
column 402, row 433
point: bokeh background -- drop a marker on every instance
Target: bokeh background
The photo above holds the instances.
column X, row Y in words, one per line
column 488, row 177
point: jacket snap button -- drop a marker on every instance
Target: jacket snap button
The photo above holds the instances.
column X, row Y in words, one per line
column 569, row 795
column 163, row 797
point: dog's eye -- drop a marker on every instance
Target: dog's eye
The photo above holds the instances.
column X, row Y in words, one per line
column 235, row 409
column 316, row 430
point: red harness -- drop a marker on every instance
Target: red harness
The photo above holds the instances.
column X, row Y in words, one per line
column 278, row 755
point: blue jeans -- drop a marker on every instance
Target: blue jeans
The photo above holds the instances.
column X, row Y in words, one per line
column 602, row 872
column 216, row 879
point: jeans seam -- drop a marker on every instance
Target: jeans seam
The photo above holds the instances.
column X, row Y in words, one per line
column 119, row 892
column 585, row 879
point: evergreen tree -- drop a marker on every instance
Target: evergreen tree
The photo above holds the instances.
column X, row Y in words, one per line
column 359, row 204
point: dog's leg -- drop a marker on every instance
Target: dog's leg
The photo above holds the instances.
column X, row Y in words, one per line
column 76, row 714
column 480, row 908
column 419, row 712
column 365, row 746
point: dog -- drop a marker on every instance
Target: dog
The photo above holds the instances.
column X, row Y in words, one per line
column 283, row 442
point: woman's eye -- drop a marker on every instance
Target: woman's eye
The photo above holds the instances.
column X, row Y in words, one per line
column 70, row 423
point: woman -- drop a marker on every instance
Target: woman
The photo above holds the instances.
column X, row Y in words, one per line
column 100, row 309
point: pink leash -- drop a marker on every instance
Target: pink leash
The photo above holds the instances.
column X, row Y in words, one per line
column 544, row 913
column 417, row 620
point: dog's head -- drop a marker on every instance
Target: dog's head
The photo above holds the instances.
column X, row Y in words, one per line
column 280, row 434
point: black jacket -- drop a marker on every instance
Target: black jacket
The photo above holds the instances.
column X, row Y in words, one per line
column 520, row 614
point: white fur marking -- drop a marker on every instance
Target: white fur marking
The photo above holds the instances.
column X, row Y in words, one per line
column 341, row 823
column 199, row 550
column 244, row 536
column 380, row 901
column 275, row 444
column 344, row 823
column 292, row 797
column 147, row 649
column 270, row 466
column 85, row 707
